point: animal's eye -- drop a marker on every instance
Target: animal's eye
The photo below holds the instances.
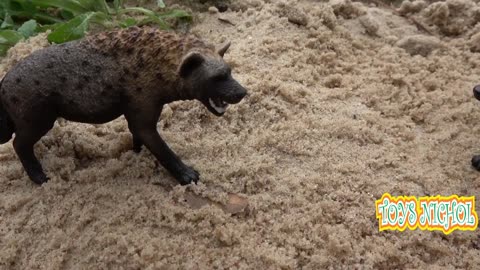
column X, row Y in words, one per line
column 221, row 77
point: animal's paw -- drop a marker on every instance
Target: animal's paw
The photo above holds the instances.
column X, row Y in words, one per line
column 187, row 175
column 476, row 162
column 39, row 178
column 137, row 148
column 137, row 145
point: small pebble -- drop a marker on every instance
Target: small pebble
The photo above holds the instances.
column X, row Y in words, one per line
column 295, row 15
column 213, row 10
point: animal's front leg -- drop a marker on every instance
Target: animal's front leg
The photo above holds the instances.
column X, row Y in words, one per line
column 137, row 144
column 183, row 173
column 142, row 123
column 476, row 162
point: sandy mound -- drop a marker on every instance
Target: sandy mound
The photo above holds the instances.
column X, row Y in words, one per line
column 347, row 101
column 451, row 17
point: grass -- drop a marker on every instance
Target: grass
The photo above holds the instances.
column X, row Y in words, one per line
column 70, row 19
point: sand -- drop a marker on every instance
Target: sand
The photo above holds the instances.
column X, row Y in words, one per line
column 347, row 101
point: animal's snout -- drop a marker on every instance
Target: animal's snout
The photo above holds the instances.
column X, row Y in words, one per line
column 476, row 92
column 239, row 95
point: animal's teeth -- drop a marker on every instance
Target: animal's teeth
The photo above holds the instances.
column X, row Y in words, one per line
column 218, row 109
column 211, row 103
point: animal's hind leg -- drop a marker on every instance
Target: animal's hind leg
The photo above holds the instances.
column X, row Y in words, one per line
column 137, row 144
column 24, row 141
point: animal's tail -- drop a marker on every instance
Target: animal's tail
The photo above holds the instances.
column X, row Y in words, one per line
column 7, row 128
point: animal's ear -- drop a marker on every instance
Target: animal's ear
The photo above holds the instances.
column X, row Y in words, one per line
column 189, row 63
column 224, row 48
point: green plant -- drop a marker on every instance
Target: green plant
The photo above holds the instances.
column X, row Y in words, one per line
column 71, row 19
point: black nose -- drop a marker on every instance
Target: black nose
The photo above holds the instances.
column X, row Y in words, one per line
column 476, row 92
column 237, row 96
column 240, row 95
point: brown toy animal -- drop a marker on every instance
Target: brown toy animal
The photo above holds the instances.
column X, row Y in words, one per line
column 131, row 72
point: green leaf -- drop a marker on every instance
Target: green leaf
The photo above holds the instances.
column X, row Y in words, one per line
column 160, row 4
column 117, row 4
column 23, row 6
column 22, row 10
column 102, row 19
column 154, row 19
column 65, row 14
column 128, row 22
column 28, row 28
column 7, row 22
column 94, row 5
column 8, row 38
column 46, row 18
column 45, row 27
column 70, row 19
column 176, row 13
column 72, row 6
column 138, row 10
column 71, row 30
column 158, row 18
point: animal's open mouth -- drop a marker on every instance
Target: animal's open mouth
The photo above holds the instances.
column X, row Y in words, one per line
column 218, row 105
